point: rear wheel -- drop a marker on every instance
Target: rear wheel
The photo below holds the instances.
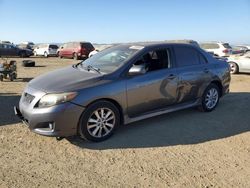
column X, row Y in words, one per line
column 45, row 54
column 210, row 98
column 234, row 69
column 99, row 121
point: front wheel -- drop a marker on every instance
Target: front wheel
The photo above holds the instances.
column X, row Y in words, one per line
column 45, row 54
column 99, row 121
column 210, row 98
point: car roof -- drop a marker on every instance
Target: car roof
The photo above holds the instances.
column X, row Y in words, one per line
column 155, row 44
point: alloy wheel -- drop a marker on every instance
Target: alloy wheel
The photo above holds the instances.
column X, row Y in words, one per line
column 101, row 122
column 211, row 98
column 232, row 68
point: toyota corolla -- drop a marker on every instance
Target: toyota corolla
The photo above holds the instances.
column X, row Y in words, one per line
column 120, row 85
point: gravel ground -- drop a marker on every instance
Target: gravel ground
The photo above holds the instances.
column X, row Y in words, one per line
column 181, row 149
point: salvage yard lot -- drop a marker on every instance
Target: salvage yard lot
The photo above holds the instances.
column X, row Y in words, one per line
column 181, row 149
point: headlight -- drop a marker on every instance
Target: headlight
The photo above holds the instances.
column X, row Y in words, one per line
column 54, row 99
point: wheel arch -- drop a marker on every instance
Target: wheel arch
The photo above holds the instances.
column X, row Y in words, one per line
column 117, row 105
column 235, row 64
column 219, row 85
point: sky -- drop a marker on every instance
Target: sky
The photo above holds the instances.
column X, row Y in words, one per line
column 114, row 21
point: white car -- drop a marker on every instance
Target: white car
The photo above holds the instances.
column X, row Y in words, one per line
column 218, row 48
column 45, row 50
column 239, row 63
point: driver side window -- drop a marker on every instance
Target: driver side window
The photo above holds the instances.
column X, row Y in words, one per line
column 155, row 60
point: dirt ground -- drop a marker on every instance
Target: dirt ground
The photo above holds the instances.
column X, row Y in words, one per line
column 181, row 149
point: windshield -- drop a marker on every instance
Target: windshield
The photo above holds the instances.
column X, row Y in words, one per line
column 111, row 59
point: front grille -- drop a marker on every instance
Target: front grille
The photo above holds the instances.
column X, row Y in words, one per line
column 28, row 98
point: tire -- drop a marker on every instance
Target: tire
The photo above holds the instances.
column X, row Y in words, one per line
column 45, row 54
column 234, row 69
column 28, row 63
column 94, row 128
column 208, row 103
column 75, row 56
column 35, row 53
column 1, row 78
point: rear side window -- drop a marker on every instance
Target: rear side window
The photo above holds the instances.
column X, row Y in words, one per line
column 210, row 46
column 88, row 46
column 186, row 56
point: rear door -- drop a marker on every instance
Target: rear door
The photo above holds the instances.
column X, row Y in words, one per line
column 156, row 89
column 69, row 49
column 193, row 71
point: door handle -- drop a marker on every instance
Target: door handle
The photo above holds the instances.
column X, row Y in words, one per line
column 206, row 70
column 171, row 76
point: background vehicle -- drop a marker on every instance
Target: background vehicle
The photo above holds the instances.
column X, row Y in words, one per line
column 76, row 50
column 25, row 46
column 9, row 50
column 218, row 48
column 239, row 63
column 99, row 47
column 59, row 49
column 5, row 42
column 94, row 97
column 29, row 44
column 185, row 41
column 8, row 70
column 240, row 49
column 218, row 57
column 46, row 50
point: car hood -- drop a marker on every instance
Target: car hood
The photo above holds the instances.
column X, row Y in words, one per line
column 64, row 80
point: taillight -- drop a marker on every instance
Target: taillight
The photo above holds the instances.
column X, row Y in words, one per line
column 225, row 51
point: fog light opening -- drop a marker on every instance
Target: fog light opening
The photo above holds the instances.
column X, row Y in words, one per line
column 51, row 126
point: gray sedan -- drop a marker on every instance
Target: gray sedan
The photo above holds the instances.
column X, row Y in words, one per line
column 120, row 85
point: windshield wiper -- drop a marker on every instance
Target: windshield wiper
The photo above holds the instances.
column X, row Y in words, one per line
column 76, row 65
column 90, row 67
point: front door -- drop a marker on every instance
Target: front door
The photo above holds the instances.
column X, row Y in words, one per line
column 156, row 88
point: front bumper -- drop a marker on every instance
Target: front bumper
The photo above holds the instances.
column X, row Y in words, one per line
column 58, row 121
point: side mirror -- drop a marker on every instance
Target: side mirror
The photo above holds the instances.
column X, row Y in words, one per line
column 137, row 70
